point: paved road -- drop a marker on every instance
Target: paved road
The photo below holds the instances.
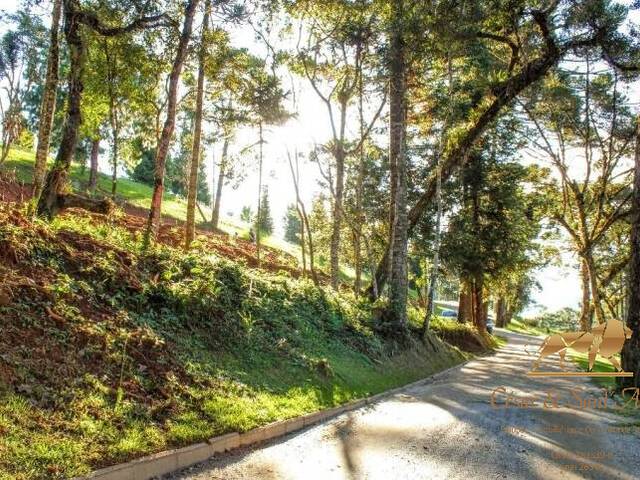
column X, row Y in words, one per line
column 447, row 429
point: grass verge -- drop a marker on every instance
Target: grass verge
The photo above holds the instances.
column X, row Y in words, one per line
column 137, row 194
column 600, row 365
column 521, row 326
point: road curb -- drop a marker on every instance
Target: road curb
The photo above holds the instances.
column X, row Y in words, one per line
column 169, row 461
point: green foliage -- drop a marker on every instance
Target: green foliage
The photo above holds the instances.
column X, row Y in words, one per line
column 292, row 225
column 109, row 352
column 20, row 49
column 26, row 140
column 177, row 175
column 262, row 95
column 496, row 228
column 246, row 214
column 143, row 172
column 263, row 221
column 203, row 194
column 492, row 236
column 563, row 320
column 585, row 195
column 463, row 335
column 321, row 227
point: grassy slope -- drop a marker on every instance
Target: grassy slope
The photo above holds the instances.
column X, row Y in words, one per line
column 522, row 327
column 135, row 193
column 113, row 353
column 463, row 335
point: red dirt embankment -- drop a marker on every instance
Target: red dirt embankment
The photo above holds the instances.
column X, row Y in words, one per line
column 11, row 190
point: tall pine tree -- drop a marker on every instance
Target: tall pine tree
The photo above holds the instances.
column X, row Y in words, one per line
column 292, row 225
column 263, row 221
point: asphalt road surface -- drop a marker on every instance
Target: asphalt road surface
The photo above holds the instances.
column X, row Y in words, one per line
column 447, row 428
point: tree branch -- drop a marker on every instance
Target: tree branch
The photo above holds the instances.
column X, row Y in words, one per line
column 92, row 21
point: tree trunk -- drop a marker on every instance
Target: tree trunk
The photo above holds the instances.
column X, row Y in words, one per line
column 631, row 349
column 215, row 216
column 192, row 195
column 302, row 241
column 10, row 127
column 357, row 258
column 359, row 193
column 93, row 172
column 334, row 253
column 478, row 304
column 96, row 205
column 114, row 121
column 508, row 315
column 167, row 131
column 338, row 196
column 501, row 312
column 312, row 267
column 485, row 309
column 295, row 175
column 258, row 216
column 585, row 316
column 114, row 163
column 430, row 306
column 398, row 281
column 433, row 281
column 48, row 202
column 464, row 302
column 436, row 256
column 48, row 105
column 202, row 215
column 52, row 197
column 478, row 313
column 213, row 183
column 595, row 288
